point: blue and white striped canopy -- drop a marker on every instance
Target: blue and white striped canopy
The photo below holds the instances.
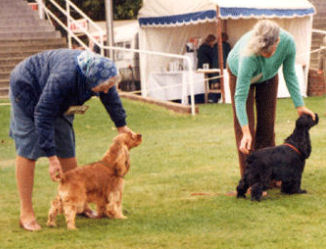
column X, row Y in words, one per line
column 161, row 12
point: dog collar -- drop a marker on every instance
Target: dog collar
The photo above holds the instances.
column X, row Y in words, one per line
column 292, row 147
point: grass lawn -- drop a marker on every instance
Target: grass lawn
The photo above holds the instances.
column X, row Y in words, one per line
column 180, row 155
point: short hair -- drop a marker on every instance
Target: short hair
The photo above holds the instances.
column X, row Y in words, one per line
column 210, row 38
column 264, row 35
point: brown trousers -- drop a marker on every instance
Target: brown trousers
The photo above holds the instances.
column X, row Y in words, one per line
column 265, row 95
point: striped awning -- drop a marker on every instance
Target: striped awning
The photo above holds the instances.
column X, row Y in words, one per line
column 157, row 15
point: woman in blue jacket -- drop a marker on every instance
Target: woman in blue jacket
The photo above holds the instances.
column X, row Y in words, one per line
column 42, row 89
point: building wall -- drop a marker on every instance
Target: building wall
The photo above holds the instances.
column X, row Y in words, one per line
column 320, row 17
column 319, row 23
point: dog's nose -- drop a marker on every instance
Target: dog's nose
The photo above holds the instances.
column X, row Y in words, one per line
column 139, row 136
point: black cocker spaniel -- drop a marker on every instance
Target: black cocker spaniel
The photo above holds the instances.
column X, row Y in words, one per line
column 282, row 163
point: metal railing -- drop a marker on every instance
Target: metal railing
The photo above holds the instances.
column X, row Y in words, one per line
column 71, row 35
column 321, row 66
column 319, row 31
column 70, row 20
column 323, row 46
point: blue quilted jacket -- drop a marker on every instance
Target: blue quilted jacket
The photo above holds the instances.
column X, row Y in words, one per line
column 45, row 85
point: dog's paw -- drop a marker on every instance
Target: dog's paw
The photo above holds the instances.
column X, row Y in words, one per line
column 88, row 213
column 255, row 198
column 302, row 191
column 122, row 217
column 119, row 216
column 241, row 195
column 51, row 224
column 71, row 227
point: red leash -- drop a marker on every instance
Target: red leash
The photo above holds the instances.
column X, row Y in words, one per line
column 292, row 147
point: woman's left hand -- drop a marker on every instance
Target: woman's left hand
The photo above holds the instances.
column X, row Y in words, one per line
column 304, row 110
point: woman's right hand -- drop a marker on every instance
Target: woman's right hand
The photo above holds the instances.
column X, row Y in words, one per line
column 304, row 110
column 246, row 141
column 55, row 169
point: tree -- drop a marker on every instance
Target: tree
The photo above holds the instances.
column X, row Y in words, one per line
column 126, row 9
column 122, row 9
column 95, row 9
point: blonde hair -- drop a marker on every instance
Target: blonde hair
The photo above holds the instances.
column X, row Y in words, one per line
column 264, row 35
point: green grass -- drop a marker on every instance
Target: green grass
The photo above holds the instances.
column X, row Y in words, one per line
column 180, row 155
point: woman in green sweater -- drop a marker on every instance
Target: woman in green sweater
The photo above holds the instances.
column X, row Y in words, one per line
column 253, row 64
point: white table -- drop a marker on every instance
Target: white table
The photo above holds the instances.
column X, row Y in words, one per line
column 168, row 85
column 206, row 72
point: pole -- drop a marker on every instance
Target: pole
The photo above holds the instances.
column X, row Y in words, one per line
column 40, row 9
column 220, row 51
column 109, row 25
column 68, row 24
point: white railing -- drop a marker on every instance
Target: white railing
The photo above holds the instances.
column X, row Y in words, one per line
column 319, row 31
column 100, row 44
column 70, row 20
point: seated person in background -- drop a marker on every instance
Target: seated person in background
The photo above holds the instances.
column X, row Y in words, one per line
column 205, row 52
column 226, row 47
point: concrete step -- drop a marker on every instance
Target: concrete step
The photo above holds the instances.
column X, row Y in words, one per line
column 34, row 42
column 5, row 75
column 22, row 34
column 5, row 68
column 4, row 4
column 10, row 61
column 4, row 91
column 18, row 22
column 5, row 54
column 29, row 35
column 11, row 4
column 22, row 25
column 17, row 50
column 20, row 4
column 21, row 15
column 30, row 28
column 4, row 83
column 6, row 11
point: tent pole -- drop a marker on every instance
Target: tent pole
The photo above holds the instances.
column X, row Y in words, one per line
column 109, row 26
column 220, row 51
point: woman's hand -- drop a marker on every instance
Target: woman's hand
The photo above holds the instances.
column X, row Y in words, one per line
column 246, row 141
column 55, row 169
column 124, row 129
column 304, row 110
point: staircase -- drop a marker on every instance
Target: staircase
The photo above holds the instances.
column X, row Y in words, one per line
column 22, row 33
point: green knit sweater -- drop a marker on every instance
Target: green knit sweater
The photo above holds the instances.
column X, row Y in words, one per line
column 249, row 68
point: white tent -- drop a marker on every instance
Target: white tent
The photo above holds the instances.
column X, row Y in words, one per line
column 166, row 25
column 124, row 30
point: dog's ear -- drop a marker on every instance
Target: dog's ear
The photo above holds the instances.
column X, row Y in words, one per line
column 122, row 162
column 316, row 119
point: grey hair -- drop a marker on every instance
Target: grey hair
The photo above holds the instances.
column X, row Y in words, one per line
column 265, row 34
